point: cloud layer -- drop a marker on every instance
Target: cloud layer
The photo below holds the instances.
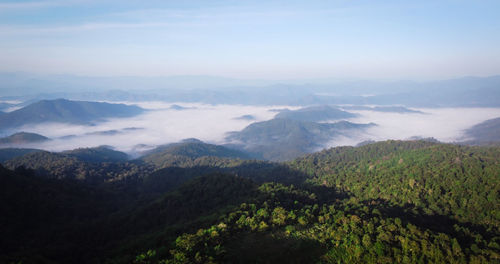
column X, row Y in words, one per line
column 158, row 126
column 443, row 124
column 210, row 123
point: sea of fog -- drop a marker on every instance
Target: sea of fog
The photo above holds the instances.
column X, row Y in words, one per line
column 443, row 124
column 171, row 122
column 161, row 124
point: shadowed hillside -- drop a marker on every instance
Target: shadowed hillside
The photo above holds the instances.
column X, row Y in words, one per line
column 386, row 202
column 185, row 152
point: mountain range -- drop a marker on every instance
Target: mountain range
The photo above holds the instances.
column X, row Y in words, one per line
column 460, row 92
column 394, row 109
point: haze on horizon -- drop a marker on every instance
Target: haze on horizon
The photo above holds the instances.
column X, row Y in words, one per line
column 273, row 40
column 226, row 59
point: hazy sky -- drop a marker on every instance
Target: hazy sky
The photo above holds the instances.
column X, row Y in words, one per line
column 253, row 39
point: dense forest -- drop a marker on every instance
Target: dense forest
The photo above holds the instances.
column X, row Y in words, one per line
column 386, row 202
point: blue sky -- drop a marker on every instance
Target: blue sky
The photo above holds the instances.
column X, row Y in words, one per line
column 252, row 39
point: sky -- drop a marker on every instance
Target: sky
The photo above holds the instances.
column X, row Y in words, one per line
column 418, row 40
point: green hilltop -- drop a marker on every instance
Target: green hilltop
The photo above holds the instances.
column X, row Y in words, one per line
column 386, row 202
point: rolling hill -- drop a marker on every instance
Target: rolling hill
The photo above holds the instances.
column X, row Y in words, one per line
column 90, row 165
column 10, row 153
column 22, row 138
column 315, row 114
column 285, row 139
column 65, row 111
column 484, row 133
column 386, row 202
column 97, row 154
column 186, row 152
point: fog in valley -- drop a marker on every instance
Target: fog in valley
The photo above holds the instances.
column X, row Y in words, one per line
column 159, row 125
column 165, row 123
column 443, row 124
column 249, row 131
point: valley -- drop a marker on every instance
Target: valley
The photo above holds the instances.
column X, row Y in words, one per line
column 252, row 132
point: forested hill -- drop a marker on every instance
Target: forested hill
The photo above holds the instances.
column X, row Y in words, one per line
column 10, row 153
column 315, row 114
column 283, row 139
column 487, row 132
column 188, row 153
column 94, row 165
column 97, row 154
column 65, row 111
column 22, row 138
column 439, row 179
column 387, row 202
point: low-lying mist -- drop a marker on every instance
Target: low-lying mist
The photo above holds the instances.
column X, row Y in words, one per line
column 163, row 123
column 443, row 124
column 167, row 123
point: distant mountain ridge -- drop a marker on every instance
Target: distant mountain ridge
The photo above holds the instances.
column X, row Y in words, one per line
column 394, row 109
column 459, row 92
column 66, row 111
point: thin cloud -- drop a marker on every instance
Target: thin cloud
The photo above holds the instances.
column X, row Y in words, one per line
column 148, row 18
column 37, row 4
column 30, row 30
column 201, row 13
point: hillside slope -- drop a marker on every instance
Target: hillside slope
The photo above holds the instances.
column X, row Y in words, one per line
column 22, row 138
column 315, row 114
column 387, row 202
column 186, row 152
column 285, row 139
column 65, row 111
column 484, row 132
